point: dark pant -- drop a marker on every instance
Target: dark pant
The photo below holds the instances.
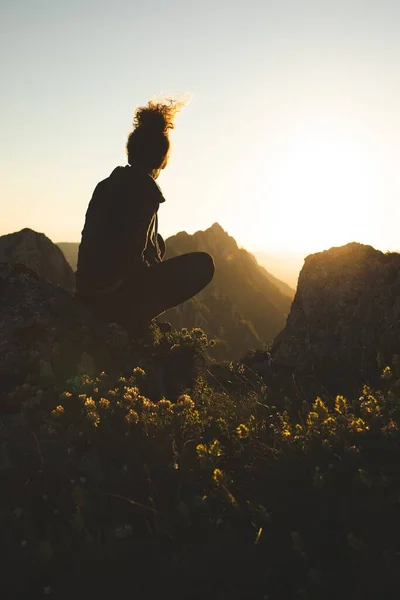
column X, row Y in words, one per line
column 155, row 289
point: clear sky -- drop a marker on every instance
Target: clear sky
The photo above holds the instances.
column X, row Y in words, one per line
column 291, row 140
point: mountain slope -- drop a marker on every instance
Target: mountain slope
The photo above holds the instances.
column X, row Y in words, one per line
column 241, row 306
column 37, row 252
column 70, row 251
column 285, row 266
column 345, row 319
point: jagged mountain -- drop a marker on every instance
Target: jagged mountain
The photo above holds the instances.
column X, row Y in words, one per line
column 37, row 252
column 241, row 307
column 344, row 323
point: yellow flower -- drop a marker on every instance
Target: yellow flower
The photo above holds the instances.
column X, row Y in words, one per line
column 139, row 372
column 387, row 373
column 164, row 404
column 312, row 418
column 58, row 411
column 218, row 476
column 242, row 431
column 132, row 417
column 215, row 449
column 341, row 405
column 201, row 450
column 104, row 403
column 186, row 401
column 358, row 425
column 93, row 417
column 90, row 403
column 321, row 409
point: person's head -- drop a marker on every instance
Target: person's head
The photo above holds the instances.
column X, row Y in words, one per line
column 148, row 144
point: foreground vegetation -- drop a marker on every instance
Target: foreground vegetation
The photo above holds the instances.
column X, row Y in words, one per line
column 147, row 484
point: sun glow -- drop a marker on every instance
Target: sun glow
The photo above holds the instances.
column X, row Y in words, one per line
column 322, row 192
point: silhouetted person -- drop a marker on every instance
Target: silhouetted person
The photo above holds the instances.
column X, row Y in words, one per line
column 120, row 275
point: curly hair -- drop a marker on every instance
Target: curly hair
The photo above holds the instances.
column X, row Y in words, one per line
column 148, row 144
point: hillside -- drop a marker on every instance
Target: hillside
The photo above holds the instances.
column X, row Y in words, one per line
column 37, row 252
column 241, row 307
column 344, row 321
column 70, row 251
column 244, row 307
column 286, row 266
column 123, row 459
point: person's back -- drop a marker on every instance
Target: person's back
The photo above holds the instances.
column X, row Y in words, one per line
column 120, row 274
column 116, row 223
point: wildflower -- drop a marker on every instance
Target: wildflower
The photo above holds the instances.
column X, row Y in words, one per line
column 164, row 404
column 241, row 369
column 104, row 403
column 132, row 417
column 66, row 395
column 242, row 431
column 213, row 449
column 90, row 403
column 186, row 401
column 139, row 372
column 93, row 417
column 201, row 450
column 387, row 373
column 320, row 408
column 130, row 393
column 148, row 405
column 58, row 411
column 218, row 476
column 341, row 405
column 312, row 418
column 358, row 425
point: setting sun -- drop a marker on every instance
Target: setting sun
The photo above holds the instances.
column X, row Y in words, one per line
column 326, row 184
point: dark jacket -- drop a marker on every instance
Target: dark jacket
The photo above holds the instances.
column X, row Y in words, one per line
column 120, row 233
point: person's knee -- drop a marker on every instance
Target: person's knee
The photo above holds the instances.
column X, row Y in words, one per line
column 206, row 266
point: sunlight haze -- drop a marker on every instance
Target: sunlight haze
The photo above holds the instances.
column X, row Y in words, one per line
column 291, row 140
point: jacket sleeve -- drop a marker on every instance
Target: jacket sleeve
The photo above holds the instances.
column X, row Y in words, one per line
column 140, row 221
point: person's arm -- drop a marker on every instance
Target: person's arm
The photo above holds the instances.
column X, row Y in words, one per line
column 142, row 211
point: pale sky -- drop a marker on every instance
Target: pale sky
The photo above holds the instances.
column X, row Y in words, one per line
column 291, row 140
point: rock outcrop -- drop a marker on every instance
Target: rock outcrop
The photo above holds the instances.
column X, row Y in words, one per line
column 46, row 335
column 37, row 252
column 345, row 319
